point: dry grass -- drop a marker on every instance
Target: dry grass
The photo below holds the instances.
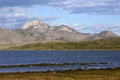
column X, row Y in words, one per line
column 65, row 75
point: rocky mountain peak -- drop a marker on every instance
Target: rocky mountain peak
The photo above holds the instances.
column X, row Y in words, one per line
column 66, row 28
column 39, row 26
column 35, row 24
column 107, row 34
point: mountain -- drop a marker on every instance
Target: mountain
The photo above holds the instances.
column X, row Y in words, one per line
column 107, row 34
column 39, row 26
column 9, row 37
column 43, row 32
column 37, row 31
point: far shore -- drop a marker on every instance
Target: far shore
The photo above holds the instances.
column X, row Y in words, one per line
column 57, row 49
column 102, row 44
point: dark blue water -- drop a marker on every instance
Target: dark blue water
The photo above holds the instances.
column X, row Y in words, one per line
column 58, row 57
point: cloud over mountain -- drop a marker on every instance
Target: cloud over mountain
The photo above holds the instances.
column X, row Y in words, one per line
column 97, row 28
column 13, row 13
column 17, row 20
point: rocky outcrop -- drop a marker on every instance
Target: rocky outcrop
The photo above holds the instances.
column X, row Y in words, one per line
column 65, row 28
column 36, row 24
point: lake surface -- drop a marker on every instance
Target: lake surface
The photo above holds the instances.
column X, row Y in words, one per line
column 69, row 59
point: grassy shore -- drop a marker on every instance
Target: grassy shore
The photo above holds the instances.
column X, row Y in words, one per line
column 103, row 44
column 108, row 74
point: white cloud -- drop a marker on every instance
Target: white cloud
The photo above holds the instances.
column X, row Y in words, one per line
column 102, row 7
column 13, row 21
column 79, row 3
column 10, row 10
column 97, row 28
column 74, row 6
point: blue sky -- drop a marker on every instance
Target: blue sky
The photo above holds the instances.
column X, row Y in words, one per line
column 83, row 15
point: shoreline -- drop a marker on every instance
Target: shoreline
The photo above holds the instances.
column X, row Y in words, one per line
column 52, row 64
column 108, row 74
column 57, row 49
column 67, row 70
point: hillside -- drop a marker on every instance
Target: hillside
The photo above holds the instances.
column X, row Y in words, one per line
column 109, row 43
column 38, row 32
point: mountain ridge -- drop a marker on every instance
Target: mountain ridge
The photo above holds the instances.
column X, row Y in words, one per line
column 37, row 31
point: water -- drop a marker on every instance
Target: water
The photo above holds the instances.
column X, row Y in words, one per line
column 100, row 58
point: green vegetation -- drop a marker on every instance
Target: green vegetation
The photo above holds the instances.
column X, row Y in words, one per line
column 108, row 74
column 110, row 43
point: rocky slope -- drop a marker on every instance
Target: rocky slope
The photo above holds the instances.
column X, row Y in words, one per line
column 107, row 34
column 36, row 31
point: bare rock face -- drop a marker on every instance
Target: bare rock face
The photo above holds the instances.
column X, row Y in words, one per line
column 35, row 24
column 66, row 29
column 29, row 24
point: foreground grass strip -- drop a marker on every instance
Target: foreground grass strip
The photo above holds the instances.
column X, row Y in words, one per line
column 108, row 74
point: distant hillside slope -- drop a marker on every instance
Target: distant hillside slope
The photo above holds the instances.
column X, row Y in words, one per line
column 109, row 43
